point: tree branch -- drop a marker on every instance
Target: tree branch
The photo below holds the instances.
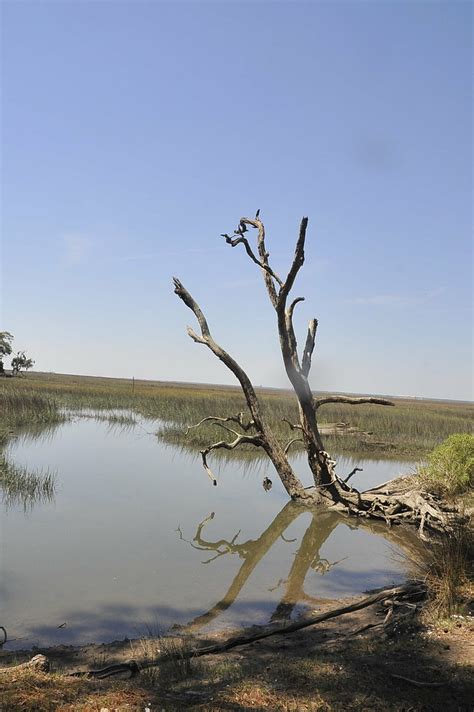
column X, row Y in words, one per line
column 239, row 419
column 351, row 401
column 309, row 347
column 207, row 340
column 264, row 255
column 263, row 261
column 290, row 330
column 298, row 261
column 256, row 440
column 293, row 426
column 289, row 444
column 356, row 469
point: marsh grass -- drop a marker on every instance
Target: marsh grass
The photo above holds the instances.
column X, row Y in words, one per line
column 446, row 564
column 21, row 411
column 174, row 653
column 410, row 430
column 19, row 486
column 20, row 407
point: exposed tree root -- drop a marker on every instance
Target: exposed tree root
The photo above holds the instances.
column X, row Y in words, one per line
column 401, row 500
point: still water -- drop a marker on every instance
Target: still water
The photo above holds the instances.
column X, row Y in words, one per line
column 137, row 540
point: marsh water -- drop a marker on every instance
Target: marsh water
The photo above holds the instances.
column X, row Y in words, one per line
column 136, row 540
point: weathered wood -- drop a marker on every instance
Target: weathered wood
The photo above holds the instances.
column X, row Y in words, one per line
column 39, row 663
column 414, row 507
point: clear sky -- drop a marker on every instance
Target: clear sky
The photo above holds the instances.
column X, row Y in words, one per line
column 134, row 133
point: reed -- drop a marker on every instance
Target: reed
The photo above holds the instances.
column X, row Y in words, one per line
column 410, row 430
column 19, row 486
column 446, row 564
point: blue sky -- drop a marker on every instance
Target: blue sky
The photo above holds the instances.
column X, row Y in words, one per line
column 134, row 133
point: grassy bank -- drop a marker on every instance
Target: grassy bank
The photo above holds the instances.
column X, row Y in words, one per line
column 410, row 430
column 322, row 669
column 22, row 409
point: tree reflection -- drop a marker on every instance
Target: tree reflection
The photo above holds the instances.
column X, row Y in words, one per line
column 308, row 556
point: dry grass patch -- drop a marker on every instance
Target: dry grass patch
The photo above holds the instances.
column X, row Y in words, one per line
column 47, row 692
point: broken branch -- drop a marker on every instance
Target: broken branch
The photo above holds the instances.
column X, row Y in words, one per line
column 309, row 347
column 356, row 469
column 351, row 401
column 288, row 445
column 240, row 439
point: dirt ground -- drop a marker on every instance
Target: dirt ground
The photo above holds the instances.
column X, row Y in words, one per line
column 420, row 667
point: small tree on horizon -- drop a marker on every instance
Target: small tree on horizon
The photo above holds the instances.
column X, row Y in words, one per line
column 21, row 362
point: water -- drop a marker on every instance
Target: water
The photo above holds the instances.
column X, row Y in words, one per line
column 115, row 555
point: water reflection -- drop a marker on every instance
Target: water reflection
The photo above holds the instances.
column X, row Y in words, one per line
column 307, row 557
column 106, row 558
column 21, row 486
column 18, row 486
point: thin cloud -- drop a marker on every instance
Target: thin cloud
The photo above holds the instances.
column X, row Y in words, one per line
column 76, row 248
column 140, row 256
column 396, row 300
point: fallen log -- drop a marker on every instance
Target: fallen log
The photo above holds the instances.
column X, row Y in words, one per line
column 39, row 663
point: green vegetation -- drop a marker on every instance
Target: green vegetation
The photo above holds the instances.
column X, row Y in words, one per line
column 449, row 470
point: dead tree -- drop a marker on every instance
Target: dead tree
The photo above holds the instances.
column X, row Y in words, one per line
column 393, row 502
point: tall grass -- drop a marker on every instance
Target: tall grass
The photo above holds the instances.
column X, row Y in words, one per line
column 447, row 566
column 21, row 408
column 410, row 430
column 19, row 486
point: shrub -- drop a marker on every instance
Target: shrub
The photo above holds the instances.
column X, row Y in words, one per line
column 450, row 466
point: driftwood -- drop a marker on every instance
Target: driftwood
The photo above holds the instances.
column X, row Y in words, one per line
column 133, row 667
column 392, row 504
column 39, row 663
